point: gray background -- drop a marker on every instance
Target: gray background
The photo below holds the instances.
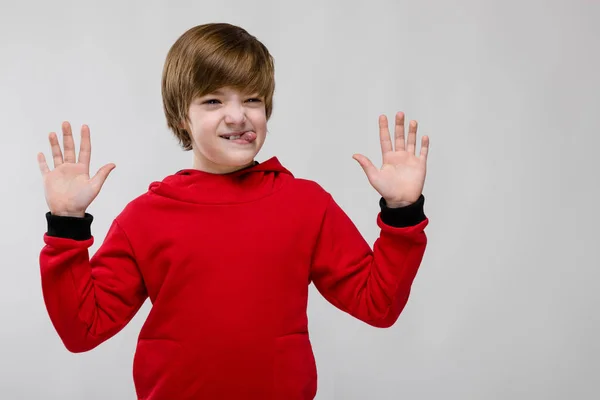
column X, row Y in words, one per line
column 505, row 303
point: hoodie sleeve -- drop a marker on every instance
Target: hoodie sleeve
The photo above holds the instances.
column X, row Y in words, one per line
column 372, row 285
column 88, row 299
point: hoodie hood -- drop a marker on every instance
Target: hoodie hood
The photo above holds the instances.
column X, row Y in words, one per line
column 248, row 184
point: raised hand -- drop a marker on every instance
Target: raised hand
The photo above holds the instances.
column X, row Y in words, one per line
column 401, row 178
column 68, row 188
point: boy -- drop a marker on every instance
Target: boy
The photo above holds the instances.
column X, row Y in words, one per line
column 225, row 250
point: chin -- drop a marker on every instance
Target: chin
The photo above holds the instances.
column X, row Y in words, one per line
column 239, row 157
column 239, row 161
column 229, row 157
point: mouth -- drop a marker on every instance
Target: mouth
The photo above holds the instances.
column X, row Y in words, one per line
column 240, row 137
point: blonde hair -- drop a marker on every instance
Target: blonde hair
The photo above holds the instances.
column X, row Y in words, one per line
column 208, row 57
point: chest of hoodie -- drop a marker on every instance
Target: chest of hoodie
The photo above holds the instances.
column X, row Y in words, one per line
column 244, row 258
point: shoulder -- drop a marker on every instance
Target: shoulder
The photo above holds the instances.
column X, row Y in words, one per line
column 309, row 186
column 308, row 192
column 134, row 211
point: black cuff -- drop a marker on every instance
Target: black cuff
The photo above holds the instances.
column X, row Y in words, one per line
column 70, row 227
column 403, row 217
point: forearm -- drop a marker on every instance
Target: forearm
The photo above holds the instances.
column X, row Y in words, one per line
column 68, row 291
column 88, row 300
column 372, row 285
column 395, row 263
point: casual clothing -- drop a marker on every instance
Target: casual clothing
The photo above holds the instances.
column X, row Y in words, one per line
column 226, row 261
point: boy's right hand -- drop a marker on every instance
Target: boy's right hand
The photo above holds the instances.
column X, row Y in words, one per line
column 68, row 188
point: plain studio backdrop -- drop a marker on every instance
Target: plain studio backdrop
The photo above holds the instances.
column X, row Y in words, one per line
column 505, row 303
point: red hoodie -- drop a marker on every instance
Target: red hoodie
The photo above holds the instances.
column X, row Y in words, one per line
column 226, row 261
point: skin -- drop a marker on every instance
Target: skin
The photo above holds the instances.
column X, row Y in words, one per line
column 401, row 178
column 69, row 188
column 225, row 111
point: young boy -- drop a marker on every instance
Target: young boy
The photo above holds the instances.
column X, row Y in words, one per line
column 225, row 250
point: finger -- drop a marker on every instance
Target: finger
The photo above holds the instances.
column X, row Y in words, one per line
column 411, row 143
column 56, row 152
column 424, row 147
column 367, row 165
column 85, row 147
column 100, row 177
column 68, row 143
column 399, row 132
column 384, row 135
column 42, row 164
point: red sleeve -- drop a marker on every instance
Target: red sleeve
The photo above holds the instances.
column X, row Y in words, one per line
column 372, row 285
column 90, row 300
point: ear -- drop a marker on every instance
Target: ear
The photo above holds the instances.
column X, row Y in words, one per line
column 183, row 125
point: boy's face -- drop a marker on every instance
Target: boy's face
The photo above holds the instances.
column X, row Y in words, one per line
column 214, row 118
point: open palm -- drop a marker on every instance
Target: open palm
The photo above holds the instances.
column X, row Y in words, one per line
column 401, row 178
column 68, row 188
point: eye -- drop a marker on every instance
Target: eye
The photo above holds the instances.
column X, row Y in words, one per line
column 211, row 101
column 254, row 100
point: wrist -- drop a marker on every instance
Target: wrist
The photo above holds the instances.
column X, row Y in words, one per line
column 391, row 204
column 399, row 215
column 73, row 214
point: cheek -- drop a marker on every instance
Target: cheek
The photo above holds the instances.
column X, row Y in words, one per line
column 204, row 129
column 259, row 120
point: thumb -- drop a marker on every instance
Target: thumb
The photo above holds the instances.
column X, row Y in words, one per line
column 100, row 177
column 367, row 165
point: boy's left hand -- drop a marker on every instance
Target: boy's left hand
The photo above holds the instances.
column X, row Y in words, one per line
column 401, row 179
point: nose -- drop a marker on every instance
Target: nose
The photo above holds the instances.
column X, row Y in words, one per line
column 235, row 114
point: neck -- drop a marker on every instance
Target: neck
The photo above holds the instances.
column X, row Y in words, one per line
column 213, row 168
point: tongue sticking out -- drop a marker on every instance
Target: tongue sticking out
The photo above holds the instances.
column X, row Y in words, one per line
column 247, row 137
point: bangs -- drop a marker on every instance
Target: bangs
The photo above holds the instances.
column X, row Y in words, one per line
column 243, row 66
